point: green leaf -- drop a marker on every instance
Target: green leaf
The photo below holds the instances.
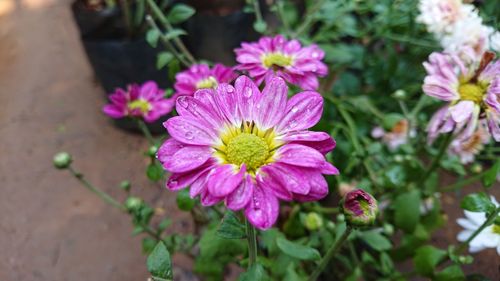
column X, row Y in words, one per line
column 406, row 210
column 159, row 263
column 260, row 26
column 477, row 202
column 426, row 259
column 152, row 37
column 180, row 13
column 163, row 59
column 176, row 32
column 491, row 175
column 148, row 244
column 376, row 240
column 296, row 250
column 164, row 224
column 451, row 273
column 184, row 201
column 154, row 172
column 231, row 227
column 255, row 273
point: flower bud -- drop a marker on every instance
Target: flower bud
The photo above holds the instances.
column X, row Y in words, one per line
column 152, row 150
column 313, row 221
column 399, row 94
column 133, row 203
column 359, row 208
column 125, row 185
column 62, row 160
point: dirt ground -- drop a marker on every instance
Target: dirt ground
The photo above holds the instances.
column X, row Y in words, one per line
column 51, row 229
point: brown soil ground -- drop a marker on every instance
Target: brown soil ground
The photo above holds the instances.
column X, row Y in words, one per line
column 51, row 229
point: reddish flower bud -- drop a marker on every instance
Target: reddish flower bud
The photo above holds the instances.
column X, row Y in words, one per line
column 359, row 208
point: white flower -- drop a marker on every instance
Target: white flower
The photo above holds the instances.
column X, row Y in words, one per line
column 488, row 238
column 495, row 41
column 439, row 16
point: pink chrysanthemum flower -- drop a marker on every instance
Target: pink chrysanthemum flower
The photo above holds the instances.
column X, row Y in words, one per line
column 145, row 101
column 466, row 148
column 201, row 76
column 472, row 90
column 247, row 148
column 275, row 56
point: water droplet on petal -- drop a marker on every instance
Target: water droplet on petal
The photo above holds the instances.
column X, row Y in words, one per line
column 295, row 109
column 230, row 89
column 183, row 101
column 292, row 124
column 172, row 183
column 315, row 55
column 189, row 135
column 247, row 92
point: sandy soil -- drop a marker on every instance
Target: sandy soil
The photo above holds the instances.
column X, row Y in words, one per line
column 50, row 228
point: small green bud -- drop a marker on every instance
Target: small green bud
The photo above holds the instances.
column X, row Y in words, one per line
column 359, row 208
column 388, row 229
column 313, row 221
column 125, row 185
column 330, row 225
column 399, row 94
column 152, row 150
column 398, row 158
column 476, row 168
column 133, row 203
column 62, row 160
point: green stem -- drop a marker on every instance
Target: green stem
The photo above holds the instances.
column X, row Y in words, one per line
column 409, row 40
column 258, row 13
column 164, row 21
column 282, row 17
column 252, row 244
column 329, row 254
column 459, row 184
column 166, row 42
column 145, row 131
column 435, row 162
column 308, row 19
column 103, row 195
column 126, row 16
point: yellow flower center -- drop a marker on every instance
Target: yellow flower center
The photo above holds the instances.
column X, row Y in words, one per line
column 143, row 105
column 496, row 228
column 276, row 60
column 249, row 149
column 247, row 145
column 207, row 83
column 472, row 92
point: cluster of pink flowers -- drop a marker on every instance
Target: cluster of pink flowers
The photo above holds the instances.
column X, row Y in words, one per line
column 247, row 148
column 472, row 90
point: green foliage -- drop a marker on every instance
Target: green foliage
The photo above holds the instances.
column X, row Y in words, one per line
column 491, row 175
column 163, row 59
column 180, row 13
column 426, row 259
column 154, row 171
column 159, row 263
column 375, row 240
column 184, row 201
column 296, row 250
column 477, row 202
column 231, row 227
column 406, row 210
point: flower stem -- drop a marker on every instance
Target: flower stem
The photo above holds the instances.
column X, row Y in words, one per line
column 164, row 21
column 103, row 195
column 308, row 19
column 329, row 254
column 252, row 244
column 461, row 183
column 145, row 131
column 281, row 14
column 256, row 8
column 435, row 162
column 151, row 22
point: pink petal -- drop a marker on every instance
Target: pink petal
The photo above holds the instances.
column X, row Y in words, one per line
column 329, row 169
column 224, row 179
column 227, row 103
column 269, row 181
column 300, row 155
column 193, row 107
column 181, row 180
column 207, row 199
column 462, row 111
column 320, row 141
column 263, row 209
column 187, row 159
column 247, row 92
column 167, row 149
column 113, row 111
column 318, row 184
column 240, row 197
column 302, row 112
column 289, row 176
column 272, row 104
column 189, row 130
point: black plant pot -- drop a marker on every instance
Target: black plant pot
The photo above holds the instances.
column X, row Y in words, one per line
column 116, row 60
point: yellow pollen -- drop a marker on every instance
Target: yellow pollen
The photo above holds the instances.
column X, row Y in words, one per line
column 472, row 92
column 496, row 228
column 207, row 83
column 276, row 60
column 141, row 104
column 249, row 149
